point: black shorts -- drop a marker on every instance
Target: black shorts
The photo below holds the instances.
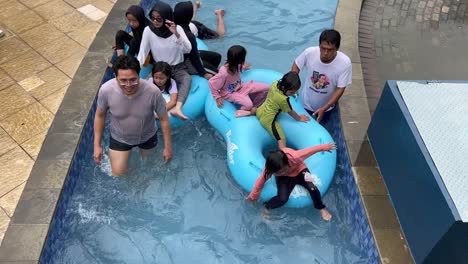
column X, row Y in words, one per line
column 119, row 146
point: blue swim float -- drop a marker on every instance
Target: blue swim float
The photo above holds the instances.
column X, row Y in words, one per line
column 199, row 90
column 246, row 140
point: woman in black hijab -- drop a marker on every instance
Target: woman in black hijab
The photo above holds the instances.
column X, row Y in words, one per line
column 137, row 20
column 168, row 42
column 198, row 62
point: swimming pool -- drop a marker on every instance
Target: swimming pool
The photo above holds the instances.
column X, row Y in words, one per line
column 192, row 210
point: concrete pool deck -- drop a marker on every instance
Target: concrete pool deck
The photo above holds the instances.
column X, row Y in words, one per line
column 34, row 78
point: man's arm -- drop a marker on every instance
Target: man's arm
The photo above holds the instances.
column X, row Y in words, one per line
column 166, row 129
column 99, row 123
column 295, row 68
column 333, row 100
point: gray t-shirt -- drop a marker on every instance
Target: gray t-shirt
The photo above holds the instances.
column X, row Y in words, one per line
column 132, row 119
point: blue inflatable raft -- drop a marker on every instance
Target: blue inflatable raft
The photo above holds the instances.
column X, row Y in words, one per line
column 246, row 140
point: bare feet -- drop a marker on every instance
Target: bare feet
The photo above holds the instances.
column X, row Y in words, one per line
column 325, row 214
column 178, row 113
column 219, row 12
column 241, row 113
column 197, row 4
column 266, row 213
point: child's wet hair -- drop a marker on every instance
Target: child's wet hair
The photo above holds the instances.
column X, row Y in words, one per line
column 235, row 58
column 290, row 81
column 275, row 161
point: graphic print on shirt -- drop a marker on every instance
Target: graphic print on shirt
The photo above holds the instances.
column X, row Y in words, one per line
column 319, row 82
column 233, row 86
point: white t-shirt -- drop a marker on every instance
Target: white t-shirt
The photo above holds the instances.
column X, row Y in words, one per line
column 170, row 50
column 322, row 79
column 172, row 90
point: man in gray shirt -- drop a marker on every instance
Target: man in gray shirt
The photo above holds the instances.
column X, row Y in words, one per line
column 132, row 102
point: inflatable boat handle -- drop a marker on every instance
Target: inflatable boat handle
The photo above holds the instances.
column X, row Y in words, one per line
column 255, row 166
column 223, row 113
column 194, row 89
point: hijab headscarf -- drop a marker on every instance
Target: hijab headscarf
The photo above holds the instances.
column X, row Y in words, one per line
column 165, row 11
column 183, row 13
column 139, row 14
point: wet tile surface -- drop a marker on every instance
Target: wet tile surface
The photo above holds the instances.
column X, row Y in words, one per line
column 392, row 246
column 70, row 22
column 360, row 153
column 92, row 12
column 36, row 37
column 53, row 101
column 380, row 212
column 61, row 146
column 34, row 3
column 60, row 49
column 13, row 99
column 48, row 174
column 86, row 34
column 54, row 9
column 31, row 82
column 24, row 21
column 28, row 122
column 5, row 80
column 9, row 201
column 36, row 206
column 369, row 181
column 6, row 142
column 11, row 49
column 15, row 167
column 11, row 8
column 54, row 80
column 71, row 64
column 23, row 242
column 33, row 145
column 4, row 221
column 26, row 65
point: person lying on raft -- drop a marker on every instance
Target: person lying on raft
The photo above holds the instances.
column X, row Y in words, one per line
column 290, row 170
column 227, row 84
column 168, row 42
column 194, row 61
column 137, row 20
column 203, row 32
column 278, row 101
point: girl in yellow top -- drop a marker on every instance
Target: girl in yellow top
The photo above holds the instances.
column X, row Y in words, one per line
column 277, row 101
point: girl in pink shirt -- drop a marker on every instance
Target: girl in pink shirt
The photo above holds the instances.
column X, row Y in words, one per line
column 289, row 169
column 227, row 84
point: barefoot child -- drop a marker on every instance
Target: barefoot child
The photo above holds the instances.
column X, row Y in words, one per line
column 278, row 101
column 227, row 84
column 161, row 73
column 289, row 169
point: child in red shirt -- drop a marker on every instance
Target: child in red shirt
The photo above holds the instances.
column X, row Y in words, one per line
column 289, row 169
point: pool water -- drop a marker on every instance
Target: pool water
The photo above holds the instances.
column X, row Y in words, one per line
column 191, row 210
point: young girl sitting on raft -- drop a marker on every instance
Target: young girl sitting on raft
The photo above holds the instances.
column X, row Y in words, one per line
column 290, row 170
column 161, row 73
column 278, row 101
column 227, row 84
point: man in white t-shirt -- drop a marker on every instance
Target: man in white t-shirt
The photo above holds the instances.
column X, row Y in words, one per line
column 328, row 74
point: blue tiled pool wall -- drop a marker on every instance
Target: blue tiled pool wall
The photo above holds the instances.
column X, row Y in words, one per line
column 361, row 223
column 82, row 155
